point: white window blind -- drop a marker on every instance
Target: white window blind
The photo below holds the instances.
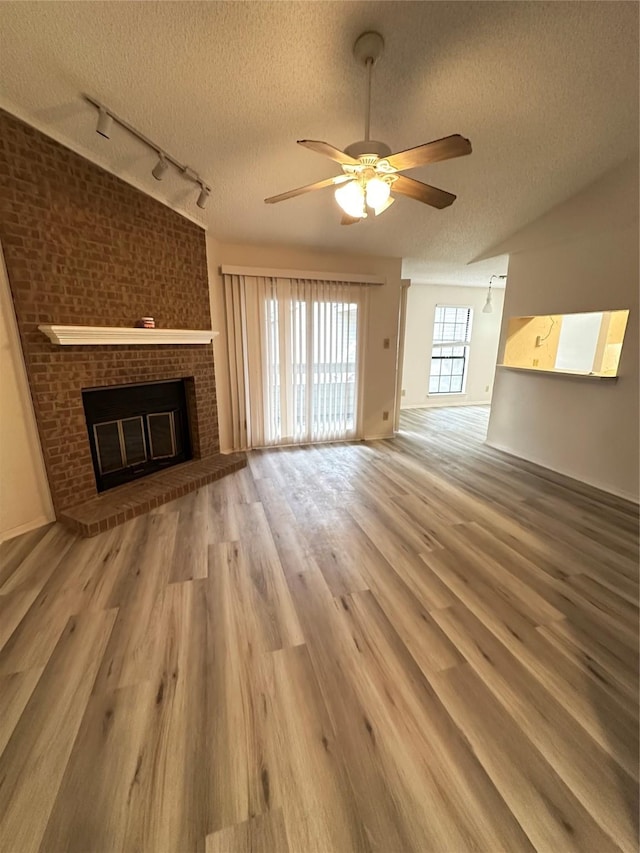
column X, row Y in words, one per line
column 295, row 359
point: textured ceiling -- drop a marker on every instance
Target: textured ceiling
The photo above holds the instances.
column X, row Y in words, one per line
column 547, row 93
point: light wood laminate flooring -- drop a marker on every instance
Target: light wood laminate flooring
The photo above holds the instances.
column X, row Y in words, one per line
column 412, row 645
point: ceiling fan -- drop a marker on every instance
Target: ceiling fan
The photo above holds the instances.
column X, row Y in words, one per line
column 370, row 172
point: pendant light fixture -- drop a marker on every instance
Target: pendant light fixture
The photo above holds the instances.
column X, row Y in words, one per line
column 488, row 305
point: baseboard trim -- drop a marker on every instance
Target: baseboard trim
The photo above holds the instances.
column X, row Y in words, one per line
column 444, row 405
column 12, row 532
column 378, row 437
column 602, row 487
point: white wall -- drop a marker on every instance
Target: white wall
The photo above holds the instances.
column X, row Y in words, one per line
column 384, row 303
column 485, row 333
column 581, row 256
column 25, row 502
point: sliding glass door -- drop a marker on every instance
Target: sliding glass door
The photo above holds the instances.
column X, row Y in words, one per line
column 311, row 370
column 302, row 346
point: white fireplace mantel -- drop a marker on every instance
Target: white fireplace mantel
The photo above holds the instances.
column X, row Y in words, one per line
column 117, row 335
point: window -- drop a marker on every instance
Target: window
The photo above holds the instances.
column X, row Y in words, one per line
column 450, row 353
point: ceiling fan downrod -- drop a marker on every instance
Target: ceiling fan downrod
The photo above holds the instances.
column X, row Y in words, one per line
column 367, row 115
column 367, row 50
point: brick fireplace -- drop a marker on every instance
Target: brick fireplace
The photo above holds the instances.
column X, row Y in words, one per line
column 136, row 430
column 84, row 248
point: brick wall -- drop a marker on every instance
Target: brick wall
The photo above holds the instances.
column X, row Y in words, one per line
column 83, row 247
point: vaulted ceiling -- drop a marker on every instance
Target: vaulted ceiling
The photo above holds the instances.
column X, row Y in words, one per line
column 547, row 93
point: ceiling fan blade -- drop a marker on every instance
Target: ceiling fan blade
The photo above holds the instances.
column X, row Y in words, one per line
column 422, row 192
column 431, row 152
column 319, row 185
column 349, row 220
column 329, row 151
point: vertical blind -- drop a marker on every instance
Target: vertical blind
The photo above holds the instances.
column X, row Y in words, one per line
column 295, row 359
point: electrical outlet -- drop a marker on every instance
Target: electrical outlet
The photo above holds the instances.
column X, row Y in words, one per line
column 536, row 362
column 404, row 392
column 538, row 341
column 486, row 387
column 385, row 416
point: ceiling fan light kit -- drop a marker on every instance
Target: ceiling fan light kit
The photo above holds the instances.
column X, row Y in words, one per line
column 370, row 170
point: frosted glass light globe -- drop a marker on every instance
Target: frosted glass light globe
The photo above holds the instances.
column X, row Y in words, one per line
column 350, row 197
column 377, row 192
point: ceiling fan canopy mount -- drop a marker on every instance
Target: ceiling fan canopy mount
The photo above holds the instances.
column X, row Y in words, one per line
column 368, row 48
column 369, row 169
column 367, row 146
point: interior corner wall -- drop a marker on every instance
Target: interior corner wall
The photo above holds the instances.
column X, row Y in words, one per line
column 25, row 502
column 384, row 305
column 485, row 334
column 584, row 428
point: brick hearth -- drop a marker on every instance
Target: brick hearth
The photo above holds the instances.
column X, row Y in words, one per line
column 125, row 502
column 84, row 248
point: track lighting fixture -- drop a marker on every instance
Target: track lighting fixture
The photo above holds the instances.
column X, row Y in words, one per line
column 160, row 168
column 105, row 123
column 203, row 197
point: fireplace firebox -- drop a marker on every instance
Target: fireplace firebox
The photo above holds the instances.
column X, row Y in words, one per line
column 135, row 430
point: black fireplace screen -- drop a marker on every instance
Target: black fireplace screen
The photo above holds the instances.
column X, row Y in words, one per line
column 136, row 429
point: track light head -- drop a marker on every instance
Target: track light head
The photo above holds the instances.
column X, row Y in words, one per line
column 160, row 168
column 203, row 197
column 104, row 123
